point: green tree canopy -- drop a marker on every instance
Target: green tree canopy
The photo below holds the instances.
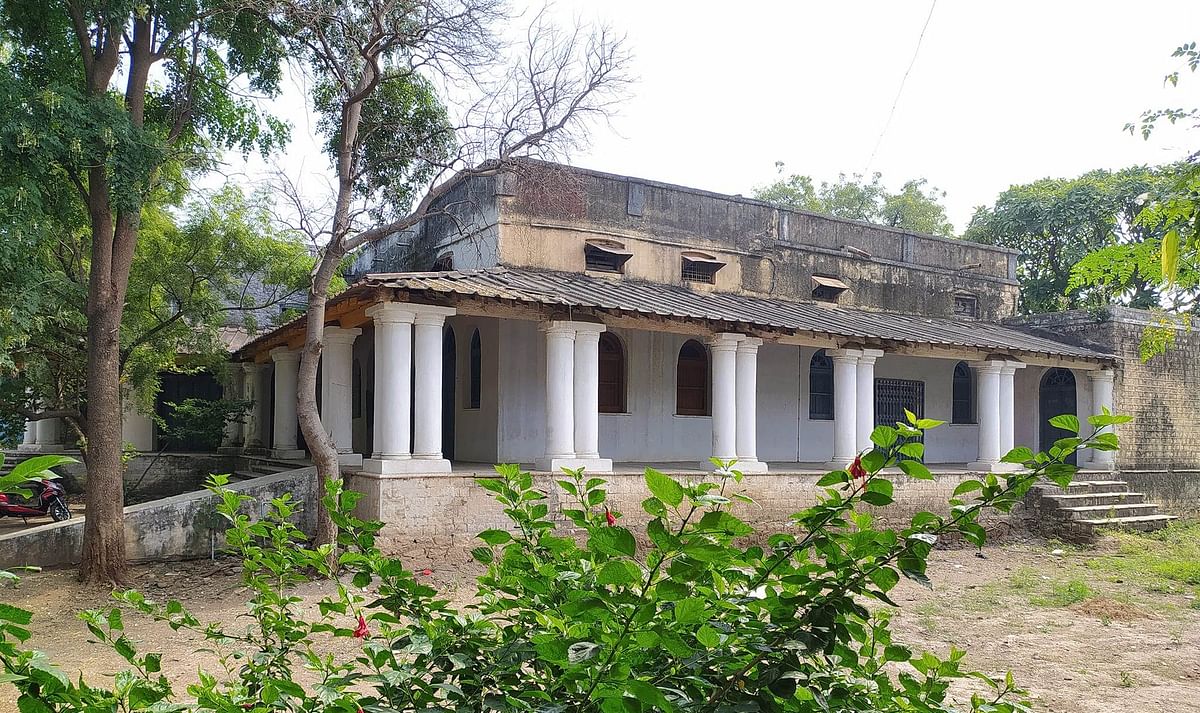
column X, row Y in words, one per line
column 916, row 206
column 1069, row 231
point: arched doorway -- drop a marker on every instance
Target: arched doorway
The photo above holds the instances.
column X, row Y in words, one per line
column 1056, row 396
column 449, row 374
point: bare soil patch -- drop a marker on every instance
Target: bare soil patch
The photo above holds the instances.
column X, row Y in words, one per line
column 1121, row 647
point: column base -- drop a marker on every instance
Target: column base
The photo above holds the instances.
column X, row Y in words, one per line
column 1102, row 467
column 42, row 448
column 992, row 467
column 405, row 466
column 350, row 460
column 748, row 466
column 288, row 454
column 555, row 464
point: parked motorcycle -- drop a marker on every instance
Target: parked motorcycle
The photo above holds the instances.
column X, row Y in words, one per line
column 46, row 498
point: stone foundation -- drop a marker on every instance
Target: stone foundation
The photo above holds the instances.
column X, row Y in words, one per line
column 433, row 519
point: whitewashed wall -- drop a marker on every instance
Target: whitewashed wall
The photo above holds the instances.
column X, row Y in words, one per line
column 136, row 428
column 951, row 443
column 1029, row 417
column 475, row 429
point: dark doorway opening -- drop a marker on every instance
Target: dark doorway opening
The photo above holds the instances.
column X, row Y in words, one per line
column 177, row 388
column 449, row 374
column 1056, row 396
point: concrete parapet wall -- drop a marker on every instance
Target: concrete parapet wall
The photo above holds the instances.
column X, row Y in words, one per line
column 432, row 519
column 181, row 527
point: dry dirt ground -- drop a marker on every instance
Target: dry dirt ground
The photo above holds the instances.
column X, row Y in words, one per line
column 1081, row 639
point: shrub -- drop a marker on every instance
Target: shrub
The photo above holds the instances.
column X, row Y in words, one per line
column 585, row 618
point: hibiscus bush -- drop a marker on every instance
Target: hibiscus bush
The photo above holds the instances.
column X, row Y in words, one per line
column 576, row 612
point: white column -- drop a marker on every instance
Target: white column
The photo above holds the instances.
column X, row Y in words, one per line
column 987, row 376
column 287, row 372
column 587, row 390
column 30, row 437
column 1102, row 398
column 1008, row 406
column 393, row 389
column 49, row 435
column 428, row 324
column 560, row 397
column 337, row 394
column 747, row 406
column 845, row 405
column 723, row 348
column 254, row 391
column 233, row 391
column 864, row 404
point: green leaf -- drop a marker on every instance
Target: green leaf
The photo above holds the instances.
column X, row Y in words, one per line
column 967, row 486
column 895, row 652
column 495, row 537
column 884, row 436
column 913, row 449
column 834, row 477
column 884, row 578
column 878, row 492
column 690, row 611
column 1019, row 455
column 612, row 541
column 708, row 637
column 973, row 532
column 648, row 694
column 619, row 572
column 582, row 651
column 1170, row 255
column 664, row 488
column 915, row 469
column 38, row 468
column 15, row 614
column 1067, row 422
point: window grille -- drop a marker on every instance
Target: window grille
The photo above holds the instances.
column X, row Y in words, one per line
column 820, row 387
column 963, row 410
column 966, row 306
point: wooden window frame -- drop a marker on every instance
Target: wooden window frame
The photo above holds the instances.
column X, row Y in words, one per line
column 613, row 363
column 820, row 365
column 705, row 389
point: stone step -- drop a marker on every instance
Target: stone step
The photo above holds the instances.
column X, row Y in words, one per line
column 1080, row 487
column 1089, row 512
column 1145, row 523
column 1060, row 500
column 242, row 475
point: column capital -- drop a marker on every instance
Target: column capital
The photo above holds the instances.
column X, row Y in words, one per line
column 869, row 356
column 391, row 313
column 990, row 366
column 279, row 354
column 749, row 345
column 557, row 328
column 725, row 341
column 431, row 314
column 587, row 327
column 844, row 355
column 341, row 335
column 1102, row 375
column 1010, row 367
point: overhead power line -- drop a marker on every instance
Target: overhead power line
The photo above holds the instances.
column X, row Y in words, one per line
column 900, row 90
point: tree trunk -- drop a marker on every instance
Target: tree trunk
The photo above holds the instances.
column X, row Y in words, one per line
column 320, row 442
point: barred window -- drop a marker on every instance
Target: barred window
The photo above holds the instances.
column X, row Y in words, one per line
column 963, row 410
column 612, row 374
column 820, row 387
column 691, row 380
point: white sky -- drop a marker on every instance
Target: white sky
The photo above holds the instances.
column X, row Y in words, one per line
column 1002, row 92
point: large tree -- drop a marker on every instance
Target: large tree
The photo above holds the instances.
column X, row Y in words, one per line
column 916, row 206
column 118, row 100
column 1069, row 231
column 377, row 68
column 222, row 264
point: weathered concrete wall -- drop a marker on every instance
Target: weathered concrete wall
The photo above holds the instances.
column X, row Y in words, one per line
column 1160, row 394
column 181, row 527
column 148, row 477
column 767, row 250
column 433, row 519
column 1178, row 492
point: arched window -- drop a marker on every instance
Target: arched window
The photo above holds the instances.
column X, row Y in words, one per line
column 612, row 374
column 963, row 410
column 820, row 387
column 691, row 380
column 474, row 393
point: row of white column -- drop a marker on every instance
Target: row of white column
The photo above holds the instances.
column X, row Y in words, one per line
column 853, row 402
column 42, row 436
column 994, row 411
column 573, row 397
column 735, row 400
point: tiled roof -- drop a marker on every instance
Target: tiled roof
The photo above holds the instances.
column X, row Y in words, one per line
column 582, row 290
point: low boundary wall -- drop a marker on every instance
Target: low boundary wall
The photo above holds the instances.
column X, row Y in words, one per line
column 180, row 527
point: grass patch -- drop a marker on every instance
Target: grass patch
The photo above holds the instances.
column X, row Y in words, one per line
column 1167, row 560
column 1063, row 593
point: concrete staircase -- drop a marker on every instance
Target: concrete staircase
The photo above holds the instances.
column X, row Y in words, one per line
column 258, row 466
column 1084, row 507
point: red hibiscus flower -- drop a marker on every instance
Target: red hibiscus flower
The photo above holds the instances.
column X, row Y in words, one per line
column 856, row 468
column 612, row 519
column 361, row 631
column 426, row 572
